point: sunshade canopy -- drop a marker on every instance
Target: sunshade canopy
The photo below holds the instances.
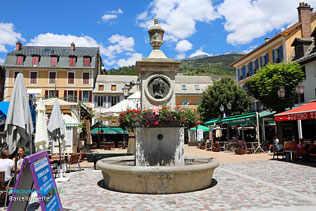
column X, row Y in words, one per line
column 303, row 112
column 108, row 130
column 204, row 128
column 56, row 125
column 19, row 125
column 211, row 122
column 115, row 110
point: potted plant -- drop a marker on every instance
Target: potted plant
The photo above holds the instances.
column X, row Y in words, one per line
column 202, row 144
column 240, row 148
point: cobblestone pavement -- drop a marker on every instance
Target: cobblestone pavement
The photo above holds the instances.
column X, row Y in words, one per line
column 254, row 185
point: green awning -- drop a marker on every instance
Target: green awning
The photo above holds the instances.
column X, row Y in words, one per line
column 211, row 122
column 240, row 120
column 266, row 114
column 204, row 128
column 109, row 130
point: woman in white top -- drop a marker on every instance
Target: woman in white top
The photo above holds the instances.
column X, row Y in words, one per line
column 6, row 165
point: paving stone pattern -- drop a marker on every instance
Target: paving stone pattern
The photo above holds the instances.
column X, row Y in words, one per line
column 254, row 185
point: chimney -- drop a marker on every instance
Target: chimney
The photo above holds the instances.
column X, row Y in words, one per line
column 72, row 46
column 266, row 39
column 304, row 16
column 18, row 46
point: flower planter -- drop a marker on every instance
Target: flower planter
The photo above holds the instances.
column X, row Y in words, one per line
column 203, row 147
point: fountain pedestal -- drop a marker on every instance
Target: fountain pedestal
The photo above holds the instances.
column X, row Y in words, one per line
column 162, row 146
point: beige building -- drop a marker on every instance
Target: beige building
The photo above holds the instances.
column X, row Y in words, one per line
column 65, row 72
column 188, row 89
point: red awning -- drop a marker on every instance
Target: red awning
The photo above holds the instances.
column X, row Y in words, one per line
column 303, row 112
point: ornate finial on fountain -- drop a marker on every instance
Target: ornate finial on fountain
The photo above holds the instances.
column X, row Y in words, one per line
column 156, row 35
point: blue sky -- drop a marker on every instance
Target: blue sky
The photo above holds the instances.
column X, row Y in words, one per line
column 119, row 28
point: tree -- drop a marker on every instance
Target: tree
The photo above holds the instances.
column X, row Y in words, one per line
column 223, row 92
column 265, row 84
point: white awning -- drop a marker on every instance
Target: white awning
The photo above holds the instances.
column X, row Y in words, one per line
column 34, row 91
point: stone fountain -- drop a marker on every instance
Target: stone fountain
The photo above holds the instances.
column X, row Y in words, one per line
column 159, row 165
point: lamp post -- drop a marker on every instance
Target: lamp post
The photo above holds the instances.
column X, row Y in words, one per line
column 125, row 91
column 299, row 91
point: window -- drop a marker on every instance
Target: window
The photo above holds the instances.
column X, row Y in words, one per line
column 101, row 87
column 51, row 93
column 86, row 77
column 114, row 100
column 247, row 70
column 100, row 101
column 198, row 100
column 185, row 101
column 71, row 77
column 113, row 87
column 70, row 95
column 276, row 55
column 35, row 60
column 16, row 74
column 54, row 61
column 197, row 87
column 33, row 78
column 240, row 74
column 85, row 96
column 86, row 61
column 72, row 61
column 52, row 77
column 184, row 87
column 19, row 60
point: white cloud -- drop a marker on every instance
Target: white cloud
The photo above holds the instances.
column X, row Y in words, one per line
column 257, row 17
column 180, row 56
column 199, row 52
column 133, row 57
column 108, row 17
column 250, row 48
column 120, row 44
column 183, row 46
column 177, row 17
column 8, row 36
column 2, row 61
column 111, row 15
column 50, row 39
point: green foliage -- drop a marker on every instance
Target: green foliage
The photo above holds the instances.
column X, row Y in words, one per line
column 218, row 65
column 271, row 78
column 221, row 93
column 130, row 70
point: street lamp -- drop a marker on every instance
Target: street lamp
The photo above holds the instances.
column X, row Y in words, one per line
column 221, row 108
column 281, row 93
column 125, row 91
column 229, row 106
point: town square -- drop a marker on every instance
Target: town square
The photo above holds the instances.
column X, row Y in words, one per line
column 158, row 105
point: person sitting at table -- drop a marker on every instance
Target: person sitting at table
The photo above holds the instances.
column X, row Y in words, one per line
column 275, row 144
column 21, row 152
column 311, row 147
column 6, row 165
column 301, row 149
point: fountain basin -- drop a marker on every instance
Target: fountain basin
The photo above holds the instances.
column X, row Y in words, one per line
column 121, row 174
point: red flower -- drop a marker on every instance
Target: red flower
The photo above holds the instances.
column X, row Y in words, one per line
column 156, row 123
column 184, row 117
column 199, row 123
column 145, row 123
column 122, row 115
column 164, row 108
column 145, row 110
column 180, row 119
column 177, row 104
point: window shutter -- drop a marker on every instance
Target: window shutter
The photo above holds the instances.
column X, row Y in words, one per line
column 117, row 99
column 65, row 94
column 250, row 69
column 57, row 93
column 261, row 65
column 273, row 56
column 256, row 64
column 46, row 94
column 267, row 57
column 76, row 96
column 243, row 72
column 281, row 53
column 238, row 74
column 90, row 96
column 80, row 95
column 95, row 101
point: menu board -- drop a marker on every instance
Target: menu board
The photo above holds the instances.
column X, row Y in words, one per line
column 35, row 176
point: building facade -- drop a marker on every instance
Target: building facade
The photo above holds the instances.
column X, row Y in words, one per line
column 63, row 72
column 188, row 89
column 277, row 49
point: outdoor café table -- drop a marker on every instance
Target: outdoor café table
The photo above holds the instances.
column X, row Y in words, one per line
column 291, row 152
column 251, row 146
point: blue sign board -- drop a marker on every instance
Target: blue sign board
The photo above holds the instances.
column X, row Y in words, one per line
column 36, row 176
